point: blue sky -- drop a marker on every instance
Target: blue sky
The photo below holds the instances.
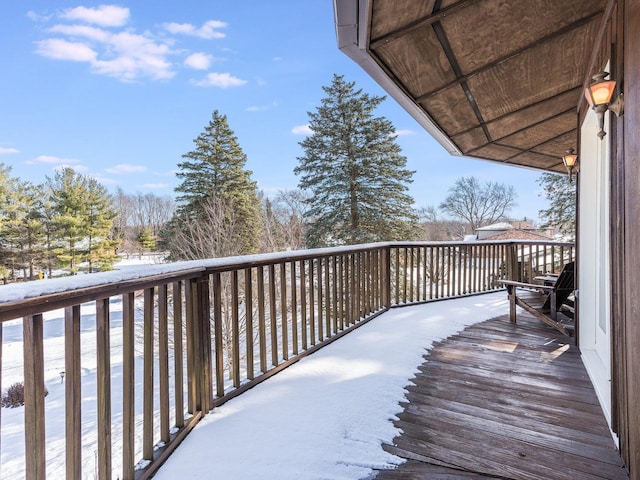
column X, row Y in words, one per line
column 119, row 91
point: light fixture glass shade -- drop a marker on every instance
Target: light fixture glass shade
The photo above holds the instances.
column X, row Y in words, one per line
column 569, row 160
column 600, row 93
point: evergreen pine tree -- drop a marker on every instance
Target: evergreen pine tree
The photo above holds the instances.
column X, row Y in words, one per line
column 20, row 225
column 355, row 172
column 146, row 239
column 100, row 215
column 561, row 213
column 81, row 220
column 215, row 169
column 22, row 229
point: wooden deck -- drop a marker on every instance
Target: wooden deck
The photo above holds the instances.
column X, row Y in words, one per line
column 504, row 401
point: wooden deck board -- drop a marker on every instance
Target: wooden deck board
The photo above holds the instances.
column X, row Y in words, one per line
column 504, row 401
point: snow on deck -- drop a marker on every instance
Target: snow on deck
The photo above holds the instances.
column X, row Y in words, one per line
column 327, row 416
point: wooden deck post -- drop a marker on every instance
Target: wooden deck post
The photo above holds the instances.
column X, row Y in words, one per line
column 34, row 398
column 511, row 291
column 386, row 277
column 204, row 350
column 73, row 393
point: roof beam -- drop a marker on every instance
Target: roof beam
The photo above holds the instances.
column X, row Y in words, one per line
column 502, row 117
column 421, row 23
column 453, row 61
column 558, row 33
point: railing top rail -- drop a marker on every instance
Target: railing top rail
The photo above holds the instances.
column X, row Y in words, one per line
column 22, row 299
column 482, row 242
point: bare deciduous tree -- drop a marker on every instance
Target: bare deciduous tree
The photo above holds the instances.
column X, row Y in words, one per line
column 138, row 213
column 476, row 204
column 217, row 232
column 438, row 229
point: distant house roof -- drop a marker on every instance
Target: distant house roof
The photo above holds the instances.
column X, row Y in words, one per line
column 516, row 234
column 496, row 226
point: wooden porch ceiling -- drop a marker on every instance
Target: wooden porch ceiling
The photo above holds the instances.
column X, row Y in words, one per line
column 496, row 80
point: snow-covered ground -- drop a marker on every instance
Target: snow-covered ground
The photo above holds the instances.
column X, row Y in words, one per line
column 326, row 416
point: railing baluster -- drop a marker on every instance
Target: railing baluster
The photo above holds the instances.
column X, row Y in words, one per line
column 449, row 271
column 312, row 304
column 334, row 285
column 103, row 380
column 248, row 315
column 178, row 355
column 33, row 357
column 341, row 292
column 148, row 354
column 303, row 304
column 273, row 319
column 73, row 392
column 192, row 373
column 320, row 301
column 284, row 322
column 377, row 276
column 128, row 385
column 411, row 274
column 482, row 281
column 327, row 303
column 351, row 282
column 359, row 296
column 217, row 333
column 235, row 330
column 262, row 322
column 294, row 308
column 163, row 359
column 404, row 274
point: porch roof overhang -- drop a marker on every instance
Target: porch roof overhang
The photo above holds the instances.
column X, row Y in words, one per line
column 489, row 79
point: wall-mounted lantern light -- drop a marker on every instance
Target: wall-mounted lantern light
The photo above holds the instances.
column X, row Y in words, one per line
column 599, row 95
column 570, row 160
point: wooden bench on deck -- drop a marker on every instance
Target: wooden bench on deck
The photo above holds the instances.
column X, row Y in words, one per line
column 544, row 301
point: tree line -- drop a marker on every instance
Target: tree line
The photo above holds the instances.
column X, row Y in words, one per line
column 64, row 222
column 353, row 188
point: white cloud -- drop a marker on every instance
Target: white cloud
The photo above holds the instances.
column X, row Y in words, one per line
column 36, row 17
column 207, row 31
column 405, row 132
column 135, row 56
column 126, row 168
column 7, row 151
column 60, row 49
column 302, row 130
column 104, row 15
column 124, row 55
column 222, row 80
column 52, row 160
column 91, row 33
column 261, row 108
column 96, row 37
column 102, row 179
column 198, row 61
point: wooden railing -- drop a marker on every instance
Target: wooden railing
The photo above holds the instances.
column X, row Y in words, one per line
column 166, row 348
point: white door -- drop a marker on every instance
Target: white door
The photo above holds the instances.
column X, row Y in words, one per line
column 594, row 250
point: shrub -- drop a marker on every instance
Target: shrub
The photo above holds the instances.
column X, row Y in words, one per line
column 14, row 396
